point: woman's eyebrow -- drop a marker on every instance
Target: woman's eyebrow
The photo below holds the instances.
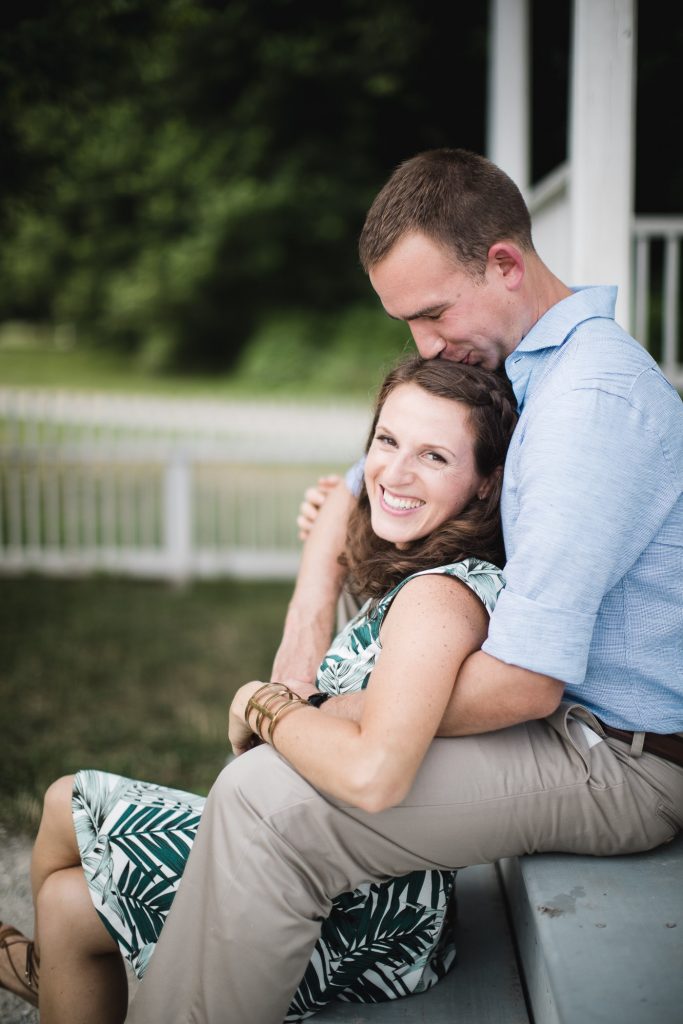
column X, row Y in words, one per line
column 423, row 444
column 438, row 448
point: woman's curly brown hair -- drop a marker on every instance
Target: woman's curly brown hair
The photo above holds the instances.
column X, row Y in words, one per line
column 376, row 565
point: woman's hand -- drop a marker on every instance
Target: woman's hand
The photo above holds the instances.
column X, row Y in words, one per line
column 314, row 499
column 240, row 733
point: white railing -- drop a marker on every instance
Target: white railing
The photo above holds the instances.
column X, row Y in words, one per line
column 653, row 315
column 657, row 291
column 161, row 488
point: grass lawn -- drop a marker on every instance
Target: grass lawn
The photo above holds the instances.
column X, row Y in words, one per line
column 131, row 677
column 103, row 370
column 288, row 358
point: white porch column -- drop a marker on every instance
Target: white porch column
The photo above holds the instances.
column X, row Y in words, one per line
column 508, row 140
column 601, row 139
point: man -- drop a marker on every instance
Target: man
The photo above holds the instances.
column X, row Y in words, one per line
column 566, row 720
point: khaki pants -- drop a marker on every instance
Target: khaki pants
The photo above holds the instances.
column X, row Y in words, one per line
column 272, row 852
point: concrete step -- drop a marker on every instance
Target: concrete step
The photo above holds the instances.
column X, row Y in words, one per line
column 482, row 988
column 600, row 938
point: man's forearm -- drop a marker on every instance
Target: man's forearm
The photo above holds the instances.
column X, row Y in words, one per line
column 489, row 695
column 311, row 615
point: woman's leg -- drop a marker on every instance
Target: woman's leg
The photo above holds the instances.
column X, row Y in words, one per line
column 54, row 849
column 82, row 977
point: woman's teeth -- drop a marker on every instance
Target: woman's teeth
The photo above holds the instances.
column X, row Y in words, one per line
column 400, row 504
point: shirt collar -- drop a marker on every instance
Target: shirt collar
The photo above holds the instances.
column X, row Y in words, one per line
column 554, row 328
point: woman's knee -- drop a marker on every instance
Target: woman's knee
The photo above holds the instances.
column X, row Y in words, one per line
column 65, row 912
column 62, row 894
column 57, row 800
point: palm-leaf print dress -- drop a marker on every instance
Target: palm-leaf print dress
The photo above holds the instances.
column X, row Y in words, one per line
column 381, row 941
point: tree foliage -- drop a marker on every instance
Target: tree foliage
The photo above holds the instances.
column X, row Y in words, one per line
column 177, row 173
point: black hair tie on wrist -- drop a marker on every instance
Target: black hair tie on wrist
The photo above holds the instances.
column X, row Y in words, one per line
column 316, row 699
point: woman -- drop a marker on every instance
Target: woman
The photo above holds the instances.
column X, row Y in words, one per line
column 423, row 545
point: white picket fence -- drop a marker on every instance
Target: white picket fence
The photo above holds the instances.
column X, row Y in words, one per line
column 162, row 488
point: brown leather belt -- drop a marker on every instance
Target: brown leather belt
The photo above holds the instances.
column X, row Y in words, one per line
column 669, row 747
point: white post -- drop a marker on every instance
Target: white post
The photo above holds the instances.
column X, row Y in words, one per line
column 178, row 516
column 602, row 130
column 671, row 293
column 508, row 117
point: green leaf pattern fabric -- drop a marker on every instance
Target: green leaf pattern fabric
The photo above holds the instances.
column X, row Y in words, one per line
column 381, row 941
column 134, row 839
column 351, row 658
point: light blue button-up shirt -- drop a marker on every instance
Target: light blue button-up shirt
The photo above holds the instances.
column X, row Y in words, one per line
column 592, row 512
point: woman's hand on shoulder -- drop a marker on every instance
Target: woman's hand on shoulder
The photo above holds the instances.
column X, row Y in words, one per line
column 313, row 500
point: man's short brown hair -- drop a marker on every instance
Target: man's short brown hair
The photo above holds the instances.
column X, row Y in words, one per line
column 456, row 198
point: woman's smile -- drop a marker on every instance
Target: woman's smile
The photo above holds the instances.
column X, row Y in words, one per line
column 420, row 468
column 398, row 503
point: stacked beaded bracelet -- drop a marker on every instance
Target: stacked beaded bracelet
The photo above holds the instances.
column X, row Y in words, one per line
column 265, row 708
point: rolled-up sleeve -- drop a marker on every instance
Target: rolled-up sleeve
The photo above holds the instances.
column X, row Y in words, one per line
column 552, row 641
column 590, row 485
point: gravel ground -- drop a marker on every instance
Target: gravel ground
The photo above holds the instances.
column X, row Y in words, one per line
column 16, row 908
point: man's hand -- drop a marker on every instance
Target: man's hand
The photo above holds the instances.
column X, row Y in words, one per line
column 314, row 499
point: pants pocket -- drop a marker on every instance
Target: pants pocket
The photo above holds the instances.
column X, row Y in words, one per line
column 565, row 723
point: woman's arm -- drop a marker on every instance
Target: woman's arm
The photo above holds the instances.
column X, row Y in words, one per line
column 431, row 627
column 310, row 617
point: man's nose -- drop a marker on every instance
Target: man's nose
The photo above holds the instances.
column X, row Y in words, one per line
column 427, row 339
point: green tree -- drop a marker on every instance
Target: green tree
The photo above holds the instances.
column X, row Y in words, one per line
column 178, row 173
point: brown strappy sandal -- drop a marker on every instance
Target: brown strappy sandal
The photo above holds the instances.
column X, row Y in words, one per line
column 28, row 978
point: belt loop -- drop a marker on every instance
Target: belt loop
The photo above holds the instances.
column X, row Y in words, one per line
column 637, row 744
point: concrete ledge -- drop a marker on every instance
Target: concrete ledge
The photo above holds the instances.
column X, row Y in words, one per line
column 600, row 938
column 482, row 988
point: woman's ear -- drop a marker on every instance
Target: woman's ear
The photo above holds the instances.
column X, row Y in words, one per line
column 489, row 483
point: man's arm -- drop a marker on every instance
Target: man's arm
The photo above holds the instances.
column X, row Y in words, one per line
column 487, row 695
column 310, row 618
column 591, row 463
